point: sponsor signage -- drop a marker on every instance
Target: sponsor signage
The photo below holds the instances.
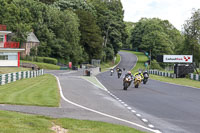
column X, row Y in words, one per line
column 178, row 58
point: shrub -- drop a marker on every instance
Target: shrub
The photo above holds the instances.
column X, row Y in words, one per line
column 39, row 59
column 155, row 65
column 50, row 60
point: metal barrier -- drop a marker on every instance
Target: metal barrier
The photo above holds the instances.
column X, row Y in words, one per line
column 12, row 77
column 160, row 73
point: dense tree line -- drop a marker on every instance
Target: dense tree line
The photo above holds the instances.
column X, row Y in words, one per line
column 159, row 37
column 156, row 37
column 69, row 30
column 192, row 36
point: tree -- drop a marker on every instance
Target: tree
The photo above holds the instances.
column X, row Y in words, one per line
column 91, row 39
column 110, row 20
column 156, row 36
column 192, row 35
column 129, row 28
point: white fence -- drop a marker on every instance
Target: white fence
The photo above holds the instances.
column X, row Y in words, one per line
column 164, row 74
column 12, row 77
column 195, row 76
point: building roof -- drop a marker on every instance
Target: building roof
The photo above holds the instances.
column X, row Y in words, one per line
column 32, row 38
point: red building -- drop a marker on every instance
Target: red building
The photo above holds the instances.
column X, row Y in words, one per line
column 9, row 51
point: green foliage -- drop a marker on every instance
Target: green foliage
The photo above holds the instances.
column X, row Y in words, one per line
column 156, row 36
column 155, row 65
column 74, row 5
column 91, row 39
column 50, row 60
column 110, row 21
column 129, row 28
column 63, row 34
column 42, row 59
column 39, row 59
column 44, row 65
column 192, row 36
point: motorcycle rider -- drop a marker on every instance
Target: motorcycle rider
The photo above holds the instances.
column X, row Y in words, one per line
column 146, row 76
column 111, row 72
column 119, row 72
column 128, row 74
column 139, row 73
column 117, row 69
column 145, row 72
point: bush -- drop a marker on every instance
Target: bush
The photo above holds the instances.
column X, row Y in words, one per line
column 155, row 65
column 42, row 59
column 50, row 60
column 39, row 59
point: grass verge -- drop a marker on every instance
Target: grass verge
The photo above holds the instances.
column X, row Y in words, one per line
column 106, row 65
column 43, row 65
column 4, row 70
column 180, row 81
column 40, row 91
column 12, row 122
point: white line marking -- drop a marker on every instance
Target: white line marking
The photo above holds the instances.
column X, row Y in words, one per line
column 151, row 126
column 110, row 116
column 125, row 105
column 100, row 83
column 139, row 115
column 145, row 120
column 133, row 111
column 129, row 108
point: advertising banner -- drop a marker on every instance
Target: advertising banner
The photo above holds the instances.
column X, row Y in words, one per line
column 178, row 58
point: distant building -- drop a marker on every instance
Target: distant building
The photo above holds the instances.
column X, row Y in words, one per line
column 31, row 42
column 9, row 51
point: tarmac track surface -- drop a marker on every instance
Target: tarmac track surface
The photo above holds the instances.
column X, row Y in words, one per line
column 83, row 93
column 170, row 108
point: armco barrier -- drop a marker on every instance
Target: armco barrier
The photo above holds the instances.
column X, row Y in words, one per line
column 195, row 76
column 12, row 77
column 164, row 74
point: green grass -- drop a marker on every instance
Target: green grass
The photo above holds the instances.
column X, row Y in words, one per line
column 43, row 65
column 180, row 81
column 40, row 91
column 106, row 65
column 85, row 126
column 12, row 69
column 12, row 122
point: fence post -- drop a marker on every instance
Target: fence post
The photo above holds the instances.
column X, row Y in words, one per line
column 197, row 77
column 3, row 79
column 191, row 76
column 0, row 79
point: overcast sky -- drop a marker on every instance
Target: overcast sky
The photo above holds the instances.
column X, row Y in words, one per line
column 176, row 11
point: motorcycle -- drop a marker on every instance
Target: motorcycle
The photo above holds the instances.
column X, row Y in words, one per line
column 111, row 72
column 119, row 74
column 137, row 81
column 145, row 78
column 127, row 82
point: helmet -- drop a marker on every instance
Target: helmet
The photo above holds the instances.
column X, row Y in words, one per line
column 129, row 72
column 139, row 72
